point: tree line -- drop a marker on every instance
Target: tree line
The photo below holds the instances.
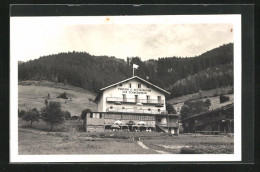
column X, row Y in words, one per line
column 214, row 77
column 94, row 72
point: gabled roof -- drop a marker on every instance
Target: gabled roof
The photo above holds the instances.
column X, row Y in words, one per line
column 134, row 77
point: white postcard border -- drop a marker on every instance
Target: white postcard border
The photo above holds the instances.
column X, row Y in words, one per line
column 234, row 19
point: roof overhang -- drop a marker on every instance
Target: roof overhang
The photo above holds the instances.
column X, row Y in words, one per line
column 99, row 95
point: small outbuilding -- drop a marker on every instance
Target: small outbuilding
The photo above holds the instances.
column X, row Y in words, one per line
column 219, row 120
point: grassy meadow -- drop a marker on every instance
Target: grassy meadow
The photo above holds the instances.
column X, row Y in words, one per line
column 33, row 94
column 31, row 143
column 212, row 95
column 63, row 140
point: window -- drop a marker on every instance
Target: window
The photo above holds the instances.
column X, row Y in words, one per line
column 136, row 98
column 139, row 85
column 100, row 115
column 91, row 115
column 159, row 99
column 111, row 107
column 159, row 110
column 124, row 98
column 148, row 99
column 120, row 85
column 129, row 85
column 148, row 86
column 159, row 120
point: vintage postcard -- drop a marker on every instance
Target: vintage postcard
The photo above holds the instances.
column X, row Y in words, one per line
column 157, row 88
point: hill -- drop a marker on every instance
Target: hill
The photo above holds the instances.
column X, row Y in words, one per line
column 90, row 72
column 210, row 78
column 32, row 94
column 212, row 95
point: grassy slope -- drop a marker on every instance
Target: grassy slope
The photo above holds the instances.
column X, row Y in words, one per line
column 208, row 94
column 33, row 95
column 35, row 142
column 39, row 142
column 202, row 144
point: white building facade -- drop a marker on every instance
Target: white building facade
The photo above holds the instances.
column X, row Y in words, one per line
column 133, row 95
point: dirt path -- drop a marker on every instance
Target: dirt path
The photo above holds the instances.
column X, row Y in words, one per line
column 145, row 147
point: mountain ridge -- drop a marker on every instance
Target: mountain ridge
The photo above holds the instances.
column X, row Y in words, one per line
column 90, row 72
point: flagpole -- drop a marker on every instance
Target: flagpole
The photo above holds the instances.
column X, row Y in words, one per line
column 133, row 71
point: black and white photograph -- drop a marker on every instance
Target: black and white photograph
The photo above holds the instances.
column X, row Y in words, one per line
column 125, row 88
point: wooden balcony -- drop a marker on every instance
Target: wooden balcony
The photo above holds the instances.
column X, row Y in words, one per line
column 136, row 110
column 133, row 100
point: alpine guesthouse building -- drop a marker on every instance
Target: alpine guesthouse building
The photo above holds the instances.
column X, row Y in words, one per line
column 133, row 104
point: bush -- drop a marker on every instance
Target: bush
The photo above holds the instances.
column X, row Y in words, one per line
column 185, row 150
column 67, row 115
column 63, row 95
column 223, row 98
column 208, row 103
column 31, row 116
column 21, row 113
column 74, row 118
column 181, row 129
column 170, row 109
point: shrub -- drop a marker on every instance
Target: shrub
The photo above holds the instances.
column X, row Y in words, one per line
column 102, row 135
column 46, row 102
column 74, row 117
column 185, row 150
column 181, row 129
column 170, row 109
column 21, row 113
column 223, row 98
column 208, row 103
column 63, row 95
column 52, row 114
column 31, row 116
column 67, row 115
column 200, row 94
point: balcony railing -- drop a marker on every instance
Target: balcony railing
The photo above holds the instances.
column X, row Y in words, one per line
column 136, row 110
column 133, row 100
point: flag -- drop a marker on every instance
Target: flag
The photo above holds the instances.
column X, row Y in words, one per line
column 135, row 66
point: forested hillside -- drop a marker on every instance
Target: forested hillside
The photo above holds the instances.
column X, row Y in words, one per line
column 213, row 77
column 173, row 73
column 79, row 69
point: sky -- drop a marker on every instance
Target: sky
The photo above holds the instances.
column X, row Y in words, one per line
column 148, row 37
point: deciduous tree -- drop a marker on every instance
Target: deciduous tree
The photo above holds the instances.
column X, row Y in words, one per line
column 31, row 116
column 52, row 114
